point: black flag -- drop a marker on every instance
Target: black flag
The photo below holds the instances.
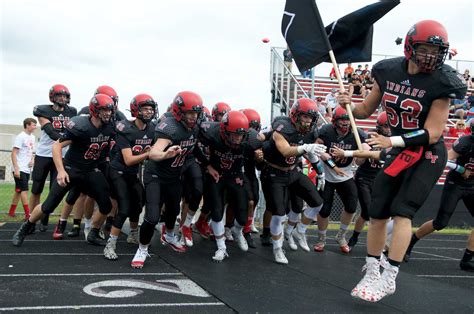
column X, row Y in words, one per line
column 350, row 36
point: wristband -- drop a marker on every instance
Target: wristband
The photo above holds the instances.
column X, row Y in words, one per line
column 330, row 163
column 453, row 166
column 348, row 153
column 397, row 141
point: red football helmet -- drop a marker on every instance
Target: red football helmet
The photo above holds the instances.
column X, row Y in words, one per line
column 340, row 120
column 382, row 126
column 304, row 106
column 98, row 103
column 109, row 91
column 219, row 110
column 187, row 102
column 427, row 32
column 234, row 128
column 253, row 117
column 57, row 90
column 139, row 101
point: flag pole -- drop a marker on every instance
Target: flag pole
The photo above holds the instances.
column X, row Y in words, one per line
column 338, row 75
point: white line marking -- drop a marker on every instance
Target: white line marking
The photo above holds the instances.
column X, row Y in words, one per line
column 416, row 258
column 59, row 254
column 444, row 276
column 101, row 306
column 435, row 255
column 91, row 274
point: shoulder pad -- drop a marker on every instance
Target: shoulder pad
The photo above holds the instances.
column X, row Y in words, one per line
column 84, row 111
column 123, row 127
column 119, row 116
column 463, row 145
column 78, row 124
column 453, row 84
column 167, row 127
column 42, row 111
column 325, row 129
column 386, row 66
column 283, row 125
column 253, row 140
column 72, row 110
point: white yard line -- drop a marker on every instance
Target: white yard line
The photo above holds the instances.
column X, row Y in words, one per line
column 445, row 276
column 91, row 274
column 105, row 306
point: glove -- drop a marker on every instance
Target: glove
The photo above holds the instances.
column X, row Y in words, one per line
column 321, row 182
column 316, row 149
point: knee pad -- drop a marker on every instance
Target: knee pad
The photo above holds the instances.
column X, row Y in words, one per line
column 312, row 212
column 217, row 228
column 276, row 225
column 293, row 217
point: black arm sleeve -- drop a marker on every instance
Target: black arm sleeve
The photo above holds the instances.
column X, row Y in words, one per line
column 52, row 133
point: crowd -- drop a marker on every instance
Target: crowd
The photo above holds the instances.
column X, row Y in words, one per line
column 201, row 162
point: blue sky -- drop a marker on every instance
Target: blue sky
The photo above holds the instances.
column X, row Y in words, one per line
column 211, row 47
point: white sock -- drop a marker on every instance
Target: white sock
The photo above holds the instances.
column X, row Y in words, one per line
column 112, row 238
column 221, row 243
column 343, row 226
column 189, row 220
column 277, row 244
column 322, row 233
column 143, row 247
column 289, row 228
column 301, row 228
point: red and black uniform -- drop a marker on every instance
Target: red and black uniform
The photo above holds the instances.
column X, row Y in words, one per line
column 344, row 185
column 456, row 187
column 228, row 162
column 81, row 161
column 280, row 183
column 162, row 179
column 44, row 164
column 407, row 100
column 129, row 190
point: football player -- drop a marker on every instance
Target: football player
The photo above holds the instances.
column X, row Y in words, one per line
column 415, row 90
column 53, row 119
column 86, row 137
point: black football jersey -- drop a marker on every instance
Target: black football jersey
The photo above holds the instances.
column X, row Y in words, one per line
column 407, row 98
column 331, row 138
column 58, row 119
column 370, row 167
column 88, row 143
column 283, row 125
column 129, row 136
column 226, row 160
column 178, row 134
column 464, row 146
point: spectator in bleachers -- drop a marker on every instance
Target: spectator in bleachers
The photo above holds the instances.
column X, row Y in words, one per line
column 459, row 129
column 366, row 71
column 467, row 75
column 358, row 71
column 332, row 74
column 331, row 101
column 368, row 83
column 322, row 106
column 307, row 74
column 356, row 87
column 22, row 160
column 348, row 71
column 288, row 58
